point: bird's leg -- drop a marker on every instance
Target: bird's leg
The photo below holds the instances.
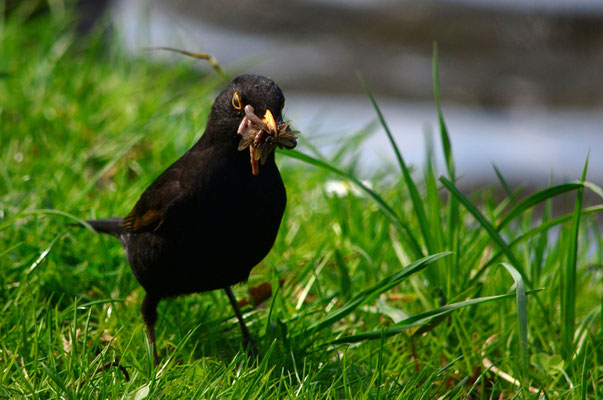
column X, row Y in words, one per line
column 149, row 316
column 247, row 339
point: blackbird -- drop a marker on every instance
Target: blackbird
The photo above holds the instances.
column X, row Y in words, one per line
column 214, row 214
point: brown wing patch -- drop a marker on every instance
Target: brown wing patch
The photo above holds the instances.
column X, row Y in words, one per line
column 148, row 221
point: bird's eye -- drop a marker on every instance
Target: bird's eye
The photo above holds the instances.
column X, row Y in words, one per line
column 236, row 101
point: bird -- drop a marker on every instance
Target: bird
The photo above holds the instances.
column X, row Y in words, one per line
column 214, row 214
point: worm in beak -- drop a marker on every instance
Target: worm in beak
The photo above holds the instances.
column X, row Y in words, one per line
column 263, row 136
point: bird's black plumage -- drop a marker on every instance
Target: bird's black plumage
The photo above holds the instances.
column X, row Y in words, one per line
column 207, row 220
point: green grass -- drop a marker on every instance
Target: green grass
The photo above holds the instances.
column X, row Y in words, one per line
column 406, row 288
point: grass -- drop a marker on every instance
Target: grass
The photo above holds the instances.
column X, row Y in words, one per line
column 405, row 288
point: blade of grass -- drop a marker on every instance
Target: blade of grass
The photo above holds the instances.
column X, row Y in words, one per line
column 597, row 189
column 417, row 202
column 432, row 324
column 484, row 223
column 584, row 374
column 420, row 319
column 568, row 284
column 25, row 213
column 201, row 56
column 435, row 220
column 397, row 221
column 503, row 182
column 58, row 382
column 535, row 199
column 344, row 275
column 374, row 291
column 522, row 317
column 315, row 272
column 541, row 242
column 540, row 229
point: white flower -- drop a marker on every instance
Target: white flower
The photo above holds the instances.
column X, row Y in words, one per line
column 336, row 188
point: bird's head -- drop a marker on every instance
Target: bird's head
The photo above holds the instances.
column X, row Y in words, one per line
column 249, row 111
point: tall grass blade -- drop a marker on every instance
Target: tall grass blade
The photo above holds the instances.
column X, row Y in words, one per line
column 597, row 189
column 540, row 243
column 484, row 223
column 374, row 291
column 420, row 319
column 540, row 229
column 535, row 199
column 201, row 56
column 344, row 275
column 64, row 391
column 417, row 202
column 397, row 221
column 522, row 317
column 568, row 284
column 503, row 182
column 584, row 374
column 434, row 206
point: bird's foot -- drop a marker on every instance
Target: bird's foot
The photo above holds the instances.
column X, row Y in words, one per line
column 250, row 346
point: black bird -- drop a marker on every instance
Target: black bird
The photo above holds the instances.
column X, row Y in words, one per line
column 214, row 214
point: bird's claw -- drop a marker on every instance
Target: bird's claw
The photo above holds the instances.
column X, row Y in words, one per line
column 249, row 345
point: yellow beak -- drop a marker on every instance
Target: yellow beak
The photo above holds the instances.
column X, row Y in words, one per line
column 270, row 122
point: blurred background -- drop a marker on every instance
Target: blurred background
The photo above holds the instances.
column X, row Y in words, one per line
column 521, row 81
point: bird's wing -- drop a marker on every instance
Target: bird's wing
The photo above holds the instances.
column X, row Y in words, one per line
column 166, row 193
column 148, row 213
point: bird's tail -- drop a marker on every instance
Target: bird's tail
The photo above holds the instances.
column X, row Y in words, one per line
column 111, row 226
